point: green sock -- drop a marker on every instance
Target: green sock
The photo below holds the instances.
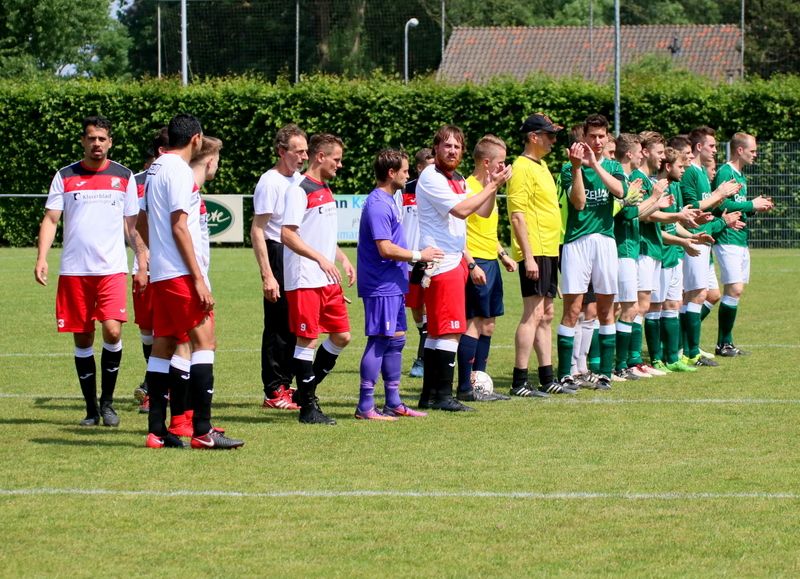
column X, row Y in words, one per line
column 608, row 341
column 684, row 336
column 652, row 335
column 727, row 317
column 693, row 325
column 670, row 336
column 635, row 349
column 707, row 307
column 624, row 330
column 564, row 345
column 593, row 358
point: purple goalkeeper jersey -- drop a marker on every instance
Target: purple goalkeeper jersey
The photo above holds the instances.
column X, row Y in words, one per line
column 380, row 219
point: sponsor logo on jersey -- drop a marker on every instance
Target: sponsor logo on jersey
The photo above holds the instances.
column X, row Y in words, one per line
column 116, row 182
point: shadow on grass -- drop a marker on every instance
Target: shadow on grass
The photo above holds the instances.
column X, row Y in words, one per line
column 26, row 421
column 95, row 442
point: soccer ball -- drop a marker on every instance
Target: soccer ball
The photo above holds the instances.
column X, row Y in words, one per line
column 482, row 382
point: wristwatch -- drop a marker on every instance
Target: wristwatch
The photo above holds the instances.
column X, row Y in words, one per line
column 471, row 266
column 503, row 253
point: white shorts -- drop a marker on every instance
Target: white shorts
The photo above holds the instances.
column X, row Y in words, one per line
column 713, row 282
column 695, row 269
column 670, row 288
column 627, row 281
column 591, row 258
column 734, row 263
column 649, row 273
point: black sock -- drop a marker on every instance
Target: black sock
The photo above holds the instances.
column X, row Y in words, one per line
column 87, row 377
column 201, row 385
column 429, row 378
column 157, row 386
column 546, row 375
column 324, row 362
column 178, row 391
column 109, row 363
column 304, row 375
column 519, row 377
column 423, row 335
column 445, row 372
column 147, row 349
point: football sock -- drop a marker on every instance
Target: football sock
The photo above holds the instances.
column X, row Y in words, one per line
column 727, row 317
column 693, row 327
column 147, row 345
column 391, row 369
column 652, row 335
column 607, row 338
column 670, row 335
column 446, row 364
column 593, row 357
column 519, row 377
column 179, row 377
column 422, row 328
column 431, row 371
column 624, row 331
column 546, row 375
column 87, row 378
column 587, row 333
column 304, row 375
column 110, row 359
column 202, row 390
column 467, row 347
column 482, row 353
column 371, row 362
column 635, row 349
column 578, row 364
column 707, row 307
column 564, row 343
column 325, row 360
column 157, row 377
column 684, row 339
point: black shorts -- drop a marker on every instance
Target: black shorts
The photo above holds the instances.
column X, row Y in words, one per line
column 547, row 284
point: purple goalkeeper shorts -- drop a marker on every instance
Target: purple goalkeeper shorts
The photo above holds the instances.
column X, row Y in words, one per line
column 384, row 315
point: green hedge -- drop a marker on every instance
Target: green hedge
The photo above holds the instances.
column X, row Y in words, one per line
column 42, row 121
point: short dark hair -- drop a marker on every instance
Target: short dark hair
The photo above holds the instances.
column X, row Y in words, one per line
column 680, row 142
column 182, row 128
column 575, row 134
column 423, row 156
column 698, row 135
column 671, row 156
column 448, row 131
column 625, row 143
column 284, row 134
column 323, row 142
column 597, row 121
column 388, row 160
column 96, row 121
column 160, row 141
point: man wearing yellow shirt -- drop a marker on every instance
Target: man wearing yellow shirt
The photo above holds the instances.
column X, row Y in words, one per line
column 484, row 297
column 536, row 229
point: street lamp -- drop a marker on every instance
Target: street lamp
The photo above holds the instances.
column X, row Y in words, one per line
column 412, row 22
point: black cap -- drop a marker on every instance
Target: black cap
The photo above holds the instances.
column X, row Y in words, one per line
column 539, row 122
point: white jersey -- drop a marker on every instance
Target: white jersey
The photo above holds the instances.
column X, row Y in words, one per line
column 94, row 205
column 437, row 194
column 203, row 249
column 409, row 214
column 310, row 206
column 171, row 187
column 270, row 198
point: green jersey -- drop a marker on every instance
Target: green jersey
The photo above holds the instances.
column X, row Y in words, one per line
column 626, row 228
column 695, row 188
column 672, row 253
column 738, row 202
column 650, row 244
column 597, row 215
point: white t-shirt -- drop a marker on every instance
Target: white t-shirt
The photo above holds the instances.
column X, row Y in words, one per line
column 409, row 215
column 270, row 198
column 310, row 206
column 94, row 205
column 203, row 249
column 436, row 196
column 171, row 187
column 141, row 180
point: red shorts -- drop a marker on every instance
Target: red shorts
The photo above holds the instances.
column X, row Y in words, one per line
column 143, row 308
column 415, row 298
column 315, row 311
column 83, row 299
column 445, row 302
column 176, row 308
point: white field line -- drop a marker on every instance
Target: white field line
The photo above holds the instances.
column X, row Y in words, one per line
column 254, row 350
column 562, row 400
column 531, row 496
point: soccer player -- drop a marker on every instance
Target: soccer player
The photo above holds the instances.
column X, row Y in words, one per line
column 182, row 300
column 535, row 217
column 311, row 278
column 410, row 219
column 443, row 207
column 269, row 202
column 698, row 270
column 382, row 284
column 98, row 200
column 143, row 300
column 484, row 284
column 731, row 245
column 589, row 254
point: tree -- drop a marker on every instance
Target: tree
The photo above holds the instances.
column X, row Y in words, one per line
column 61, row 37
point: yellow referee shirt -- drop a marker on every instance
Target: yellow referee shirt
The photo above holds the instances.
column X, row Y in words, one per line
column 532, row 191
column 481, row 231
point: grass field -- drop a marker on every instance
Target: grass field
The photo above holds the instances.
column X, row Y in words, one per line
column 683, row 475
